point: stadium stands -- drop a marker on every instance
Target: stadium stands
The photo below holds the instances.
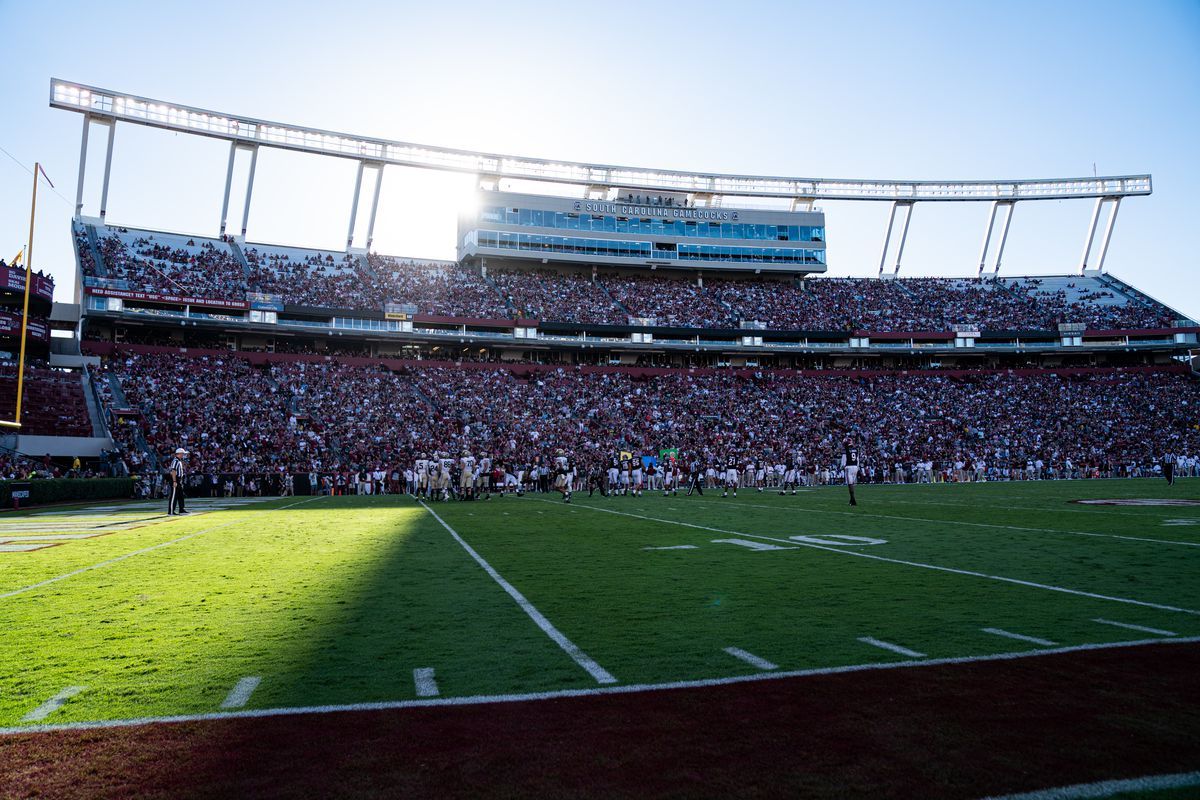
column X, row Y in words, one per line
column 300, row 415
column 53, row 403
column 171, row 264
column 175, row 264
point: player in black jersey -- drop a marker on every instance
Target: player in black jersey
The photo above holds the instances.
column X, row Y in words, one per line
column 732, row 473
column 850, row 462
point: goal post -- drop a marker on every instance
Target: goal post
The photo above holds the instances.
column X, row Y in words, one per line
column 15, row 423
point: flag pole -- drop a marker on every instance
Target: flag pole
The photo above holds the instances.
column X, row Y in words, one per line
column 37, row 167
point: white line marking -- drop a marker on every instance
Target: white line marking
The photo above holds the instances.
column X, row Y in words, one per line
column 591, row 692
column 751, row 545
column 750, row 658
column 1019, row 636
column 953, row 570
column 111, row 561
column 423, row 680
column 53, row 704
column 895, row 648
column 978, row 524
column 1007, row 507
column 240, row 693
column 673, row 547
column 570, row 648
column 1146, row 783
column 1141, row 628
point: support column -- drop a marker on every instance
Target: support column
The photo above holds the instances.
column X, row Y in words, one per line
column 87, row 124
column 987, row 238
column 228, row 185
column 1004, row 235
column 1108, row 229
column 903, row 237
column 374, row 206
column 1087, row 244
column 249, row 189
column 112, row 131
column 354, row 204
column 887, row 239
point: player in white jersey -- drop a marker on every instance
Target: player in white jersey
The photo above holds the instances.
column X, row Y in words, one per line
column 760, row 475
column 445, row 465
column 483, row 479
column 466, row 478
column 421, row 467
column 562, row 474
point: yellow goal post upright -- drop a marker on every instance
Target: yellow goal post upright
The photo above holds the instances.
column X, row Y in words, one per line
column 15, row 423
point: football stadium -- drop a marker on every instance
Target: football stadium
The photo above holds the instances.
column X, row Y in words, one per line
column 633, row 488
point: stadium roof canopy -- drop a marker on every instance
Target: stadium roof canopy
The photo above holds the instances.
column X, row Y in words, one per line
column 108, row 107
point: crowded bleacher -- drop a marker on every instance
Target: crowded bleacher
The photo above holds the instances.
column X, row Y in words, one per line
column 175, row 264
column 329, row 417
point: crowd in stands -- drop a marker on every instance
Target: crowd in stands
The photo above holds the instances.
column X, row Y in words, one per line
column 331, row 280
column 329, row 417
column 314, row 280
column 207, row 270
column 546, row 294
column 443, row 290
column 670, row 302
column 52, row 404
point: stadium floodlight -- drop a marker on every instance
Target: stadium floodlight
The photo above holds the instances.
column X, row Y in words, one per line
column 109, row 106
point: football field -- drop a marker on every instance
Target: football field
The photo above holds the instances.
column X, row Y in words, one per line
column 117, row 613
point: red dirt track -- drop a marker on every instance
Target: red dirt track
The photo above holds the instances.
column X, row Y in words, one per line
column 950, row 731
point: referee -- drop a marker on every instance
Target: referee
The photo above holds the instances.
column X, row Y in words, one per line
column 177, row 472
column 695, row 483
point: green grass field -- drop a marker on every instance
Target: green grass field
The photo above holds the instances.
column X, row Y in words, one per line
column 333, row 601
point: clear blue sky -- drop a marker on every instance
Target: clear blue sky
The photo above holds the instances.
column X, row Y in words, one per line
column 833, row 89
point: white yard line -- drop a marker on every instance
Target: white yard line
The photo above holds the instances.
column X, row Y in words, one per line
column 240, row 694
column 1007, row 507
column 977, row 524
column 1019, row 636
column 1079, row 791
column 53, row 704
column 1141, row 628
column 581, row 658
column 424, row 682
column 673, row 547
column 750, row 658
column 590, row 692
column 952, row 570
column 895, row 648
column 159, row 546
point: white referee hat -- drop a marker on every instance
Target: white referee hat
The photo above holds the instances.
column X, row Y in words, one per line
column 179, row 451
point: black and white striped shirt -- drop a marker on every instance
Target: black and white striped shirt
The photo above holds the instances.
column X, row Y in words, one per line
column 178, row 468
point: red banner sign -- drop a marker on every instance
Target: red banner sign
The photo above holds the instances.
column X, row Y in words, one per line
column 148, row 297
column 10, row 325
column 13, row 279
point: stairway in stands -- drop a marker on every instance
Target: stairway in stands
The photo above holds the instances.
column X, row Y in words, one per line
column 94, row 244
column 365, row 265
column 120, row 401
column 94, row 409
column 512, row 309
column 241, row 257
column 614, row 300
